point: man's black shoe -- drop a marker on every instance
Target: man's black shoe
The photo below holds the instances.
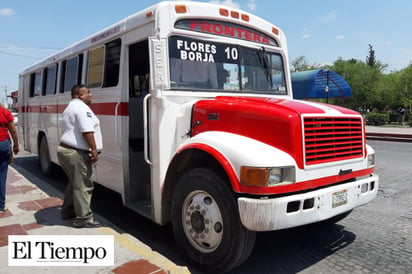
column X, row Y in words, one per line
column 88, row 223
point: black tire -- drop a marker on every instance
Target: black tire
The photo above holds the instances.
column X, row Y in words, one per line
column 46, row 166
column 206, row 222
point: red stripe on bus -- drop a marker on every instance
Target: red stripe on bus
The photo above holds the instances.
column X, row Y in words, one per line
column 98, row 108
column 306, row 185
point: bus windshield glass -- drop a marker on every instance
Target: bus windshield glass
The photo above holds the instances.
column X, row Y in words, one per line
column 205, row 65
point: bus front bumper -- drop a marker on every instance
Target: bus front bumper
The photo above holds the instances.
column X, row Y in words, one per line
column 300, row 209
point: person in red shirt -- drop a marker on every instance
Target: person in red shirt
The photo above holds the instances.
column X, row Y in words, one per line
column 7, row 128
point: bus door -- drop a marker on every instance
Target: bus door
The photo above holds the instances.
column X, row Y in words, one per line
column 162, row 115
column 24, row 124
column 137, row 189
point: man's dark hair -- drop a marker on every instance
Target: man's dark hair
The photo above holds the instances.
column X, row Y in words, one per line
column 76, row 90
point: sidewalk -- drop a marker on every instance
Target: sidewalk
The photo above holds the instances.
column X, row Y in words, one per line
column 395, row 134
column 31, row 211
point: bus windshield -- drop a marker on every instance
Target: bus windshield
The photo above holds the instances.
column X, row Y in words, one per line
column 205, row 65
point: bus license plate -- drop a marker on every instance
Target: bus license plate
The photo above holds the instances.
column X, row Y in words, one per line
column 339, row 198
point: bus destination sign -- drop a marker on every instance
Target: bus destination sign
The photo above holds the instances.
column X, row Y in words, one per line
column 226, row 29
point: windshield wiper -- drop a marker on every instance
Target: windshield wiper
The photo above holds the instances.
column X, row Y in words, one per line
column 263, row 59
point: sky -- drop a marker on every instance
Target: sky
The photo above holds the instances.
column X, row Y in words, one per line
column 320, row 30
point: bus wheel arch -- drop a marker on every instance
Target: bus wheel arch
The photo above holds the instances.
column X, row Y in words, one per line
column 181, row 164
column 46, row 165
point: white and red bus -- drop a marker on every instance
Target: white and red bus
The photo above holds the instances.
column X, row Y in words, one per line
column 200, row 128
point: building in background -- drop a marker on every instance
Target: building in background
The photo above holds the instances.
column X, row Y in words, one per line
column 14, row 104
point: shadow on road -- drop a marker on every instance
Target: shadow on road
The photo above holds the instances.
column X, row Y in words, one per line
column 294, row 250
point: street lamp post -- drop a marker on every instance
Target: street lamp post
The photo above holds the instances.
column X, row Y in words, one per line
column 327, row 87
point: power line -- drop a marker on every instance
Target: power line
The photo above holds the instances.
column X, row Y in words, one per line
column 20, row 55
column 17, row 47
column 25, row 56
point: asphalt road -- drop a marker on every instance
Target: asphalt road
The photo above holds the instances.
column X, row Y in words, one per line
column 376, row 238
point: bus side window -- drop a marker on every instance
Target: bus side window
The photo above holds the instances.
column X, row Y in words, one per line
column 62, row 76
column 73, row 72
column 35, row 84
column 95, row 67
column 32, row 84
column 112, row 63
column 49, row 80
column 139, row 69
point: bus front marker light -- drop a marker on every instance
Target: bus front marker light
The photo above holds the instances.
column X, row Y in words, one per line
column 266, row 176
column 180, row 9
column 371, row 160
column 253, row 176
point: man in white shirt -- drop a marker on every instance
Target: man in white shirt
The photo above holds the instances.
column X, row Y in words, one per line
column 80, row 144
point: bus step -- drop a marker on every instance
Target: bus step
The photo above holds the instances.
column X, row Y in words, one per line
column 142, row 207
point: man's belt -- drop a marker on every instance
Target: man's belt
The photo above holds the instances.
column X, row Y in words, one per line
column 70, row 147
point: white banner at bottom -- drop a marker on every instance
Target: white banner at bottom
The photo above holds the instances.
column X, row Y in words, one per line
column 61, row 250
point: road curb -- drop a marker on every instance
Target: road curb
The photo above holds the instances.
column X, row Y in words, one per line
column 144, row 251
column 392, row 137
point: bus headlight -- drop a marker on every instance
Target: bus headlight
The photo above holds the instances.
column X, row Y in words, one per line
column 371, row 160
column 275, row 175
column 266, row 176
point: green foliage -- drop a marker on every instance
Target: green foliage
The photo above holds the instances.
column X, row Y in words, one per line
column 371, row 87
column 398, row 118
column 405, row 87
column 363, row 79
column 377, row 119
column 371, row 59
column 300, row 63
column 387, row 93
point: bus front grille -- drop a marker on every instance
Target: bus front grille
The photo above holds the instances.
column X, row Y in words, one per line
column 330, row 139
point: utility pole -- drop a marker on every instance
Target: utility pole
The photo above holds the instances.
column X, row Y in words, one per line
column 5, row 101
column 327, row 87
column 5, row 91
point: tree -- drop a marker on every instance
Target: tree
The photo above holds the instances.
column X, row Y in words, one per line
column 405, row 87
column 387, row 89
column 363, row 81
column 373, row 62
column 371, row 87
column 371, row 59
column 300, row 63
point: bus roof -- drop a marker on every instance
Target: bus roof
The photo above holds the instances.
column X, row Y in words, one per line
column 150, row 14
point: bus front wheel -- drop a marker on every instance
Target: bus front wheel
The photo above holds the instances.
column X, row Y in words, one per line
column 206, row 222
